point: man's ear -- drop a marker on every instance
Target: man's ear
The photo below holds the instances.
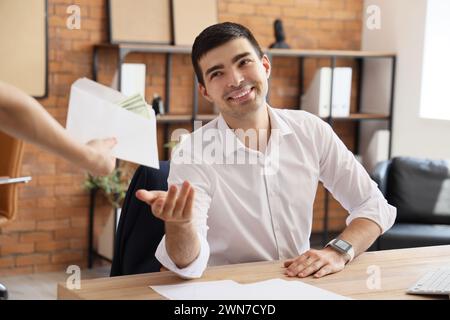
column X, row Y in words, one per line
column 266, row 64
column 204, row 92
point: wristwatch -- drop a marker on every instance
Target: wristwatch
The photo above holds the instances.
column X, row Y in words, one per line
column 342, row 247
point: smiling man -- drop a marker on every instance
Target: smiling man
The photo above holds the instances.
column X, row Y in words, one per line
column 226, row 209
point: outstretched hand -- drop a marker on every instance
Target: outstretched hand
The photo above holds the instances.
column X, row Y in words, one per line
column 173, row 206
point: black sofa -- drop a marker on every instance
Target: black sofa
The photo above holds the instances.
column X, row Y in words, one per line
column 420, row 190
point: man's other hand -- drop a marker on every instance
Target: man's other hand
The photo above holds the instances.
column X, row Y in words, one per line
column 315, row 262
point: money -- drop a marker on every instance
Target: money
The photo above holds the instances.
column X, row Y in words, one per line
column 136, row 103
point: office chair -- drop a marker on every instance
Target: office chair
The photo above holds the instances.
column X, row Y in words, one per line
column 139, row 232
column 10, row 163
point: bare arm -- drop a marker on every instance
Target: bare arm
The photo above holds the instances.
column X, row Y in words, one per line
column 23, row 117
column 361, row 233
column 175, row 209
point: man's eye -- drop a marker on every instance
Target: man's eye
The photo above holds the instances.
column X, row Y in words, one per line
column 215, row 74
column 245, row 61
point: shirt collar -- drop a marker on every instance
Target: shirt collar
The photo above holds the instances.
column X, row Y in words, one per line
column 235, row 144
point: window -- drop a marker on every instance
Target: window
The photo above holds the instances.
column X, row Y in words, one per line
column 435, row 91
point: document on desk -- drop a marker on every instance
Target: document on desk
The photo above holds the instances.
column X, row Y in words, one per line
column 274, row 289
column 94, row 113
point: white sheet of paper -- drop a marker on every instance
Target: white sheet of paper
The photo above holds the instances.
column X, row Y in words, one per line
column 279, row 289
column 210, row 290
column 93, row 114
column 274, row 289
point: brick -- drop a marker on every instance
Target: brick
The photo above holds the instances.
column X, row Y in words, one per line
column 9, row 238
column 345, row 15
column 240, row 8
column 75, row 189
column 29, row 192
column 67, row 256
column 46, row 203
column 7, row 262
column 51, row 246
column 331, row 25
column 70, row 233
column 36, row 213
column 282, row 2
column 71, row 212
column 7, row 249
column 35, row 236
column 78, row 244
column 32, row 259
column 15, row 226
column 55, row 224
column 43, row 268
column 97, row 12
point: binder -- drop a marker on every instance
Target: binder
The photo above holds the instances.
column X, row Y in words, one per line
column 317, row 98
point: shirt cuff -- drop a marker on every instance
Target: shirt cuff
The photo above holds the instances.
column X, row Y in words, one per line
column 194, row 269
column 379, row 211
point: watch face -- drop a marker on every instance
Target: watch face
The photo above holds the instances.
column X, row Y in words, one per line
column 342, row 245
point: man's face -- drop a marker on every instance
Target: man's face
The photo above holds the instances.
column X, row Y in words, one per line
column 235, row 78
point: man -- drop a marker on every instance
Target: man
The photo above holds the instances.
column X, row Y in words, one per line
column 227, row 211
column 24, row 118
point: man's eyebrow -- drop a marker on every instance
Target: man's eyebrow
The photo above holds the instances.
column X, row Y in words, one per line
column 220, row 66
column 240, row 56
column 214, row 68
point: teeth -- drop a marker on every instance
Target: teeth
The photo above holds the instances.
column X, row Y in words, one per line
column 242, row 94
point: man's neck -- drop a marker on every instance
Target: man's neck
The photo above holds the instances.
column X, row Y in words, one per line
column 258, row 121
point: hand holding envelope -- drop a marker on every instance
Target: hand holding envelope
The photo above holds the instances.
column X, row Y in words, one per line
column 94, row 113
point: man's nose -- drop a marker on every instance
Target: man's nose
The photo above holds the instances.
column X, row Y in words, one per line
column 235, row 78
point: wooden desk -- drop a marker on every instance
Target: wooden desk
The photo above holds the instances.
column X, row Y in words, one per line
column 399, row 270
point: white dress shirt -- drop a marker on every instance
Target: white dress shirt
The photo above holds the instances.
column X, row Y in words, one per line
column 245, row 212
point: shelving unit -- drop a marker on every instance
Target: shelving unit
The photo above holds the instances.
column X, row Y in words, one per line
column 168, row 119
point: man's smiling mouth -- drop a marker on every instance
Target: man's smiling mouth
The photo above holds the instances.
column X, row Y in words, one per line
column 240, row 95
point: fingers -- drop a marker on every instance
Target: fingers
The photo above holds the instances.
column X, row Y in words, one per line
column 169, row 205
column 109, row 142
column 323, row 271
column 101, row 144
column 307, row 264
column 99, row 159
column 157, row 207
column 181, row 201
column 316, row 265
column 317, row 262
column 288, row 262
column 298, row 264
column 189, row 207
column 149, row 196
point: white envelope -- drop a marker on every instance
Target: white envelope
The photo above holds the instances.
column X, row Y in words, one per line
column 93, row 114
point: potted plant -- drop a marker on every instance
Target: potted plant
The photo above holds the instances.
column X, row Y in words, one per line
column 113, row 186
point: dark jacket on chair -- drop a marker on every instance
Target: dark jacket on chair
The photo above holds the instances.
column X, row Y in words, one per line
column 139, row 232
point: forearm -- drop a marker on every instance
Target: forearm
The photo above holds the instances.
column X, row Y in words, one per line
column 182, row 243
column 361, row 233
column 24, row 118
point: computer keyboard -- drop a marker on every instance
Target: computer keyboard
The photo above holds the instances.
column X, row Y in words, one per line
column 434, row 282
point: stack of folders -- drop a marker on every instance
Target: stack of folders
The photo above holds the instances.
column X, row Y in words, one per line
column 317, row 98
column 136, row 104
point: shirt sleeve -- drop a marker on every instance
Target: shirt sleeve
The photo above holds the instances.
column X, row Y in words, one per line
column 349, row 182
column 185, row 169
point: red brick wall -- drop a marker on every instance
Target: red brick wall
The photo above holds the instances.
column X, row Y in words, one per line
column 50, row 232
